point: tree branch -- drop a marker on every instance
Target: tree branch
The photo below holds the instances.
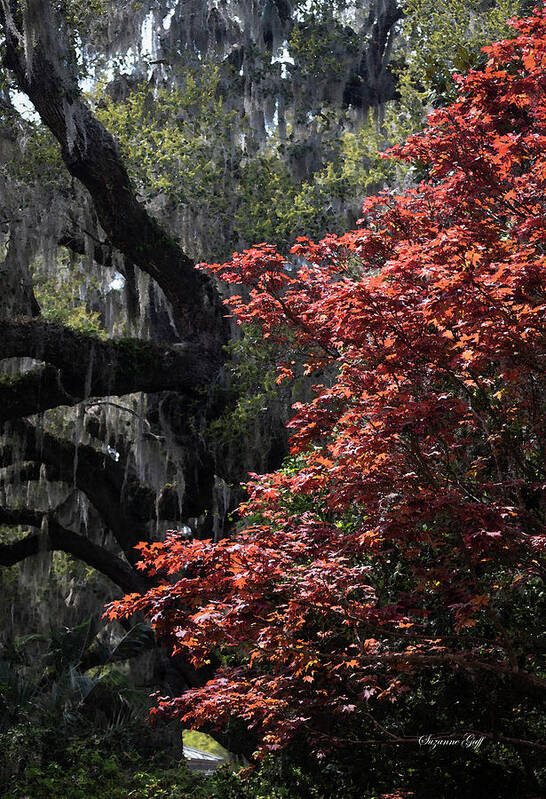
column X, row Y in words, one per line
column 58, row 538
column 91, row 155
column 89, row 367
column 32, row 392
column 124, row 504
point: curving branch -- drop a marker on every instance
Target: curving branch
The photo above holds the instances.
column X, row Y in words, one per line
column 58, row 538
column 124, row 504
column 32, row 392
column 75, row 242
column 85, row 366
column 92, row 156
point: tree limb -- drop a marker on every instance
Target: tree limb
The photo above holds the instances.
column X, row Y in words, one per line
column 124, row 504
column 89, row 367
column 58, row 538
column 91, row 155
column 32, row 392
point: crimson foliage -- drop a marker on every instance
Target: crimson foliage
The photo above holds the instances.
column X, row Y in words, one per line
column 402, row 544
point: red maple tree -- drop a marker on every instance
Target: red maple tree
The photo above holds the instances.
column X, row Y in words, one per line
column 404, row 537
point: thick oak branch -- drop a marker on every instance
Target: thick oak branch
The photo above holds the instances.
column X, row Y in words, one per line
column 88, row 367
column 59, row 538
column 91, row 155
column 124, row 504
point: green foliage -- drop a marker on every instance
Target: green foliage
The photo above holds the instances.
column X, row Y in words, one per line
column 445, row 39
column 182, row 151
column 320, row 44
column 61, row 299
column 189, row 149
column 87, row 772
column 279, row 778
column 202, row 741
column 80, row 13
column 71, row 730
column 250, row 369
column 178, row 144
column 70, row 675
